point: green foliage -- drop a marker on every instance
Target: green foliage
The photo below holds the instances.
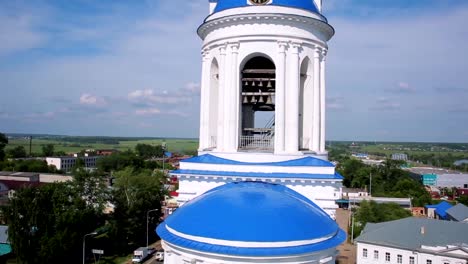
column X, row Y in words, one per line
column 135, row 192
column 463, row 200
column 47, row 223
column 388, row 180
column 48, row 150
column 119, row 161
column 16, row 152
column 27, row 166
column 3, row 143
column 372, row 212
column 147, row 151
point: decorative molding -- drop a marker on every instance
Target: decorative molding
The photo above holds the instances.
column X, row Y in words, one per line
column 243, row 19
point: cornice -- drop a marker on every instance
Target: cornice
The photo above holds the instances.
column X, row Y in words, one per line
column 244, row 19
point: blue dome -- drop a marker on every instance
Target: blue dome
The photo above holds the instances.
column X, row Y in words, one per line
column 251, row 219
column 302, row 4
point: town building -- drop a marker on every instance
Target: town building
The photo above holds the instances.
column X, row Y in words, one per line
column 413, row 241
column 262, row 113
column 250, row 222
column 429, row 179
column 400, row 156
column 66, row 163
column 438, row 211
column 458, row 213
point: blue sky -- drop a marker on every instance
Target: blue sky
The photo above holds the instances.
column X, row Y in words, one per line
column 396, row 70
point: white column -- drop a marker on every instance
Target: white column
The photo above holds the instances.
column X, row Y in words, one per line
column 280, row 97
column 233, row 99
column 316, row 101
column 204, row 102
column 227, row 97
column 322, row 103
column 292, row 100
column 221, row 104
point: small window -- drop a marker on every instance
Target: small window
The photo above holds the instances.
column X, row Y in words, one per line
column 428, row 261
column 364, row 253
column 399, row 259
column 376, row 254
column 411, row 260
column 387, row 256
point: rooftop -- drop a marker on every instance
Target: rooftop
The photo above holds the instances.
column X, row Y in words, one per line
column 301, row 162
column 406, row 233
column 251, row 219
column 458, row 212
column 301, row 4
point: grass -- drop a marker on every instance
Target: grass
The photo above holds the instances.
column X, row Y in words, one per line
column 173, row 145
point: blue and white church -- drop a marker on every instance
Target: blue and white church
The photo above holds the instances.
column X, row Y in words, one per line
column 261, row 189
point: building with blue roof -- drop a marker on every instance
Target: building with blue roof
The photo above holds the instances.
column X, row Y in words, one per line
column 262, row 109
column 438, row 211
column 241, row 222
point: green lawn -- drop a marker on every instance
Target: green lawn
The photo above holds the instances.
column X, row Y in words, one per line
column 173, row 145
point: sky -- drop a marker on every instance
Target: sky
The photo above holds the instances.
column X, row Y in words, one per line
column 397, row 70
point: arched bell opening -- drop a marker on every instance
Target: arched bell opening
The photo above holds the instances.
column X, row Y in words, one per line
column 305, row 105
column 213, row 104
column 258, row 84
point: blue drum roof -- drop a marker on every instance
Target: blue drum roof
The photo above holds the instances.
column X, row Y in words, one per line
column 301, row 4
column 251, row 219
column 306, row 161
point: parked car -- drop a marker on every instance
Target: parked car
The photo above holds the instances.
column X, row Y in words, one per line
column 159, row 256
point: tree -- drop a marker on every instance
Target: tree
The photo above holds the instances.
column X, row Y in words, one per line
column 48, row 150
column 16, row 152
column 46, row 224
column 372, row 212
column 3, row 143
column 134, row 193
column 119, row 161
column 147, row 151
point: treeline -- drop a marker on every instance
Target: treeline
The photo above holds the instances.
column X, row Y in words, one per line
column 388, row 180
column 47, row 223
column 372, row 212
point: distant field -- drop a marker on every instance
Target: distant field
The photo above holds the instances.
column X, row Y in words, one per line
column 388, row 152
column 173, row 145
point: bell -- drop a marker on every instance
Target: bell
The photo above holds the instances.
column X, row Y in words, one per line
column 269, row 84
column 260, row 84
column 269, row 101
column 253, row 101
column 253, row 83
column 246, row 83
column 261, row 100
column 246, row 100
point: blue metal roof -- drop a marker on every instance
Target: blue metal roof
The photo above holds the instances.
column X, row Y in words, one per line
column 301, row 4
column 442, row 208
column 306, row 161
column 251, row 212
column 275, row 175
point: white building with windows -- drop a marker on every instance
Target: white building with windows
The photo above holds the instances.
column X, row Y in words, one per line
column 66, row 163
column 262, row 113
column 413, row 241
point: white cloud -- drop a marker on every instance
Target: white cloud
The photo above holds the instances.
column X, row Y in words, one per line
column 152, row 98
column 148, row 111
column 92, row 100
column 18, row 33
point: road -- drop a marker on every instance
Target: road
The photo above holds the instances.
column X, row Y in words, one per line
column 151, row 260
column 347, row 253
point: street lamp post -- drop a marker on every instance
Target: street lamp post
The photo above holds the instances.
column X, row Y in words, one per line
column 84, row 245
column 147, row 217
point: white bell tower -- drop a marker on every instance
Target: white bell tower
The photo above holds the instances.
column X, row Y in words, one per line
column 262, row 113
column 264, row 58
